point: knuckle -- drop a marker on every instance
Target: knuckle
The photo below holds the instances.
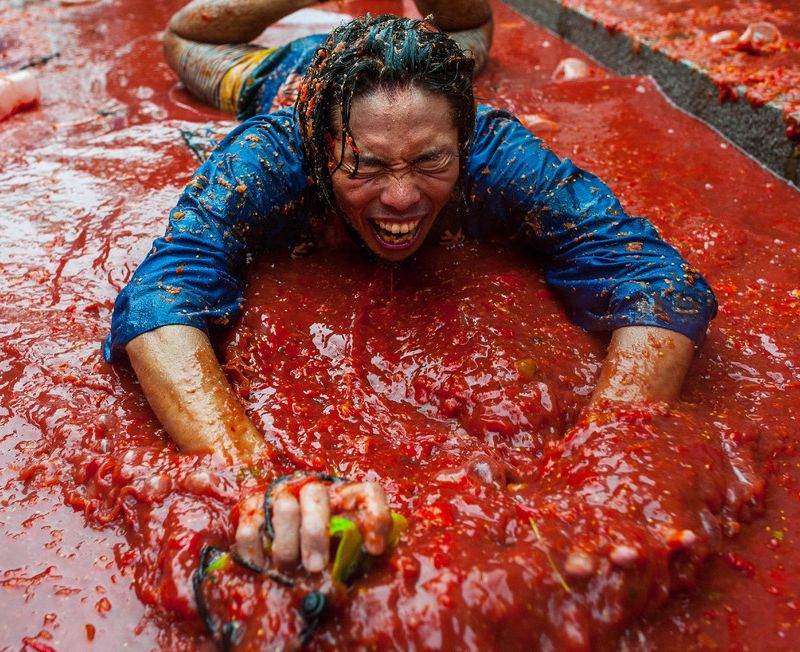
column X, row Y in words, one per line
column 312, row 489
column 285, row 508
column 247, row 531
column 314, row 537
column 314, row 527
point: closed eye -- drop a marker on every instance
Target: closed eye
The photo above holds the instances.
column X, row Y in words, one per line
column 429, row 163
column 434, row 163
column 367, row 172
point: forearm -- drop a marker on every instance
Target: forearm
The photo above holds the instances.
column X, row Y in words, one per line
column 644, row 364
column 187, row 389
column 230, row 21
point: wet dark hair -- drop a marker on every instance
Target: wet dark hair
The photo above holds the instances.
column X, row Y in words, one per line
column 372, row 53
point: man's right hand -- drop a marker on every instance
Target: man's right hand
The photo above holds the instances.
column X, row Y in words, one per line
column 300, row 518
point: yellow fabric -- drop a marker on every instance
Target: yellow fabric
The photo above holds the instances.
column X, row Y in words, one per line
column 231, row 85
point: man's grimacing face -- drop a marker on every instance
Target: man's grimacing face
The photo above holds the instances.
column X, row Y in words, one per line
column 408, row 167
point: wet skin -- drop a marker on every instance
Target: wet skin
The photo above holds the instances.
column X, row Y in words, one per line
column 408, row 166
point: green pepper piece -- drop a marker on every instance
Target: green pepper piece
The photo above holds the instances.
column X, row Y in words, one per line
column 399, row 525
column 348, row 552
column 220, row 563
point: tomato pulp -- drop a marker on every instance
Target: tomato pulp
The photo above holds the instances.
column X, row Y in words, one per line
column 455, row 379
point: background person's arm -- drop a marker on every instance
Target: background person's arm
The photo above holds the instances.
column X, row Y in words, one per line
column 184, row 384
column 644, row 364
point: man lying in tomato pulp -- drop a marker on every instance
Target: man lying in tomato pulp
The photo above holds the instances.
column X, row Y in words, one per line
column 385, row 144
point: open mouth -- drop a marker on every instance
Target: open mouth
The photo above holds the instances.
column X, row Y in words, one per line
column 396, row 233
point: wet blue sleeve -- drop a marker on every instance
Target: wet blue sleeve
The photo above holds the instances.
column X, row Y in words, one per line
column 193, row 274
column 611, row 269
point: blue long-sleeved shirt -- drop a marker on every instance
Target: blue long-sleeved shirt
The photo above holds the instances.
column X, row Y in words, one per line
column 611, row 269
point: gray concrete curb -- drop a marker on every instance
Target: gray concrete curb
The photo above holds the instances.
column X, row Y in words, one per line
column 759, row 131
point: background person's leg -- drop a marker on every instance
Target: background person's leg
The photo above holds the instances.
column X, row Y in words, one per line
column 207, row 45
column 213, row 73
column 231, row 21
column 207, row 42
column 456, row 15
column 477, row 42
column 240, row 21
column 469, row 23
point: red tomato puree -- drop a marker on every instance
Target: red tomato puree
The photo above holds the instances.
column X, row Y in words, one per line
column 749, row 49
column 455, row 380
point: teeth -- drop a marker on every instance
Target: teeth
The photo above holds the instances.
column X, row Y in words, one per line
column 397, row 228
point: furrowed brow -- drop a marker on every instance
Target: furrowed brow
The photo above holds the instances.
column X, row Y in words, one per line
column 431, row 154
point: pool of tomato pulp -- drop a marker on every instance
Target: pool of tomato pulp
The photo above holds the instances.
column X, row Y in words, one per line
column 456, row 380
